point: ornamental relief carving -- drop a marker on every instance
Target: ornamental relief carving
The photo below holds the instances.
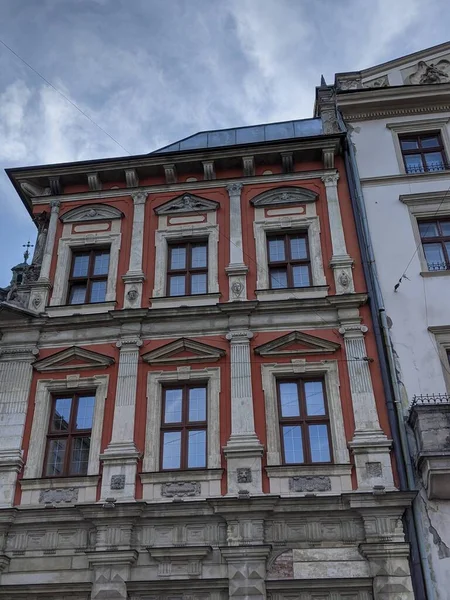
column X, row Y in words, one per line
column 180, row 489
column 430, row 73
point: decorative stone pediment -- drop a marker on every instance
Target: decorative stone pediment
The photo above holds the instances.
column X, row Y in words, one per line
column 283, row 196
column 297, row 343
column 73, row 359
column 427, row 73
column 186, row 203
column 93, row 212
column 183, row 351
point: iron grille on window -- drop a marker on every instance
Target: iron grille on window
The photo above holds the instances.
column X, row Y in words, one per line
column 435, row 236
column 423, row 152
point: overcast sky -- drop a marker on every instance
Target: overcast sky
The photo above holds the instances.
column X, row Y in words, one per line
column 154, row 71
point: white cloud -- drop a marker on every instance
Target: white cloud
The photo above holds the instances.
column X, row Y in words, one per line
column 151, row 72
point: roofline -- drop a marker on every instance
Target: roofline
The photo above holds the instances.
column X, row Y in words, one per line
column 206, row 131
column 123, row 162
column 156, row 158
column 398, row 61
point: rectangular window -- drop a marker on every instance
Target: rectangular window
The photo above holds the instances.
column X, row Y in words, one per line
column 187, row 272
column 304, row 421
column 69, row 435
column 423, row 152
column 183, row 427
column 289, row 263
column 88, row 276
column 435, row 236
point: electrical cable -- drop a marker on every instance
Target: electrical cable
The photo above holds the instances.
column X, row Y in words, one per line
column 63, row 95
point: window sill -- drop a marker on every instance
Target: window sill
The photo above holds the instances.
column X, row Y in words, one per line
column 80, row 309
column 442, row 273
column 167, row 485
column 59, row 490
column 179, row 301
column 317, row 291
column 288, row 480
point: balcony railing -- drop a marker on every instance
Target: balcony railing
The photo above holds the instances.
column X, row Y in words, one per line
column 431, row 399
column 438, row 266
column 428, row 168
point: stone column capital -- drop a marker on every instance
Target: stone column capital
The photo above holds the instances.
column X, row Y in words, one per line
column 129, row 343
column 139, row 197
column 330, row 179
column 55, row 205
column 353, row 330
column 234, row 189
column 241, row 336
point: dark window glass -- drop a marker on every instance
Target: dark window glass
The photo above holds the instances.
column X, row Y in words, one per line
column 88, row 276
column 435, row 235
column 289, row 263
column 304, row 421
column 188, row 269
column 69, row 435
column 423, row 152
column 183, row 427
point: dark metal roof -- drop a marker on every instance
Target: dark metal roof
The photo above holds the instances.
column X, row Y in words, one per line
column 252, row 134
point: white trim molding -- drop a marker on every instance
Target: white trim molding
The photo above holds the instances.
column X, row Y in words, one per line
column 426, row 206
column 44, row 390
column 210, row 230
column 155, row 381
column 328, row 369
column 308, row 223
column 442, row 337
column 419, row 126
column 70, row 241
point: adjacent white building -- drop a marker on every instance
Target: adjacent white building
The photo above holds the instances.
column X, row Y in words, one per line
column 398, row 119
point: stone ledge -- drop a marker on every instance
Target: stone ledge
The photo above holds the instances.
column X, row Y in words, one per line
column 181, row 301
column 66, row 310
column 311, row 292
column 195, row 475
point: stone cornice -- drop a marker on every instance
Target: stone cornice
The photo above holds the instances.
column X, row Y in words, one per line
column 182, row 186
column 405, row 178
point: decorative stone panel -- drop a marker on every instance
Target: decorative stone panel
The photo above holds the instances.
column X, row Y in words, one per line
column 244, row 475
column 58, row 495
column 117, row 482
column 180, row 489
column 310, row 483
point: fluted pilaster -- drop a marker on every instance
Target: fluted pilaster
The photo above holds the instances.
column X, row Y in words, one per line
column 237, row 269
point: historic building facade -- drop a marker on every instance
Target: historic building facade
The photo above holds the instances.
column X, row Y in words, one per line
column 397, row 117
column 191, row 401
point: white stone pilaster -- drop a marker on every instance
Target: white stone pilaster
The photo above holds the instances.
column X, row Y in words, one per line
column 370, row 446
column 243, row 450
column 15, row 381
column 121, row 455
column 134, row 277
column 237, row 269
column 40, row 290
column 341, row 262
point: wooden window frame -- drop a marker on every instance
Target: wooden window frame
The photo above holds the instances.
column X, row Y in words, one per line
column 69, row 435
column 90, row 277
column 421, row 151
column 189, row 270
column 441, row 239
column 289, row 262
column 303, row 420
column 184, row 426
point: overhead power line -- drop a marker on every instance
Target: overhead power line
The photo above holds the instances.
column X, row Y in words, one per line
column 63, row 96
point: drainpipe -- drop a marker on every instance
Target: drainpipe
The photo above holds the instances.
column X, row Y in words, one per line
column 420, row 573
